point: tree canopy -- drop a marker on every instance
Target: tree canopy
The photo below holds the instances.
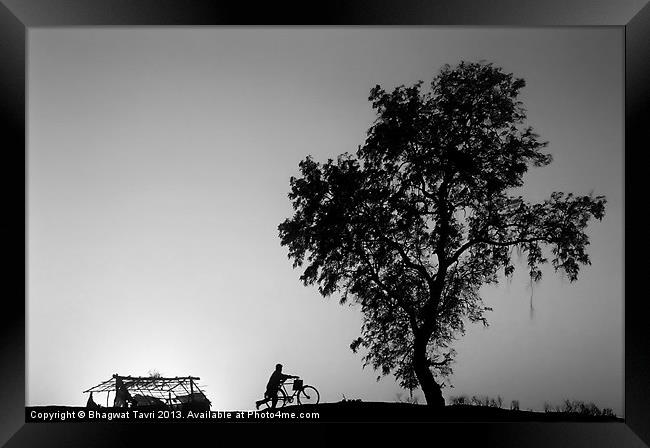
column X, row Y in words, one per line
column 413, row 224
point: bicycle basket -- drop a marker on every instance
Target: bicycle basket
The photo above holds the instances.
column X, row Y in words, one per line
column 297, row 384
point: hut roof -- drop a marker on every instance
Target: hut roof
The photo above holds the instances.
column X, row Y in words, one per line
column 175, row 388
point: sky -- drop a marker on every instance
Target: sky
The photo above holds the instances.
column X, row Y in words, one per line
column 158, row 170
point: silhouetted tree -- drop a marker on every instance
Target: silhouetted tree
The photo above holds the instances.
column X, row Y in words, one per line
column 421, row 217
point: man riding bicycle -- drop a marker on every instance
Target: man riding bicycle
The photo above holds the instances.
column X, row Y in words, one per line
column 273, row 386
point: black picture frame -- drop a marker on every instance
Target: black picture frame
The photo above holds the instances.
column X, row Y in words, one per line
column 17, row 16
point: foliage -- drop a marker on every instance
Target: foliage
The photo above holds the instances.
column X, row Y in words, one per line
column 567, row 406
column 579, row 407
column 464, row 400
column 351, row 400
column 410, row 399
column 412, row 225
column 459, row 400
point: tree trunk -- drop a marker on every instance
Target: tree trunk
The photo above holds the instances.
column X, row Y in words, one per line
column 431, row 389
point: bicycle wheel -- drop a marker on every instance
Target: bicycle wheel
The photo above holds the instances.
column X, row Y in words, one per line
column 282, row 400
column 308, row 395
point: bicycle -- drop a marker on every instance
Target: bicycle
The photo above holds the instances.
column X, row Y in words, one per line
column 304, row 394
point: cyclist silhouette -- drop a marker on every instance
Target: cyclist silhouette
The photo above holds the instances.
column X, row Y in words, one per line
column 272, row 387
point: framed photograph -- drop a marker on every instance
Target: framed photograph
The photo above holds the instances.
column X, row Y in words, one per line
column 364, row 213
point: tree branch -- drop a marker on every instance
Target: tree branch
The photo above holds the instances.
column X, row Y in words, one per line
column 408, row 262
column 400, row 300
